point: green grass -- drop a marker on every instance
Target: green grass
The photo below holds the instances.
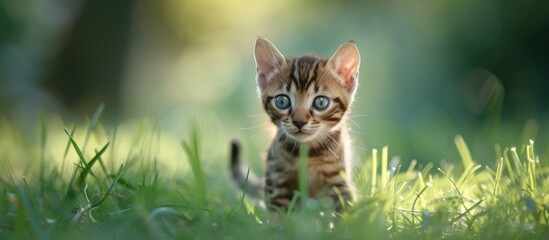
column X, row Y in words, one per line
column 55, row 187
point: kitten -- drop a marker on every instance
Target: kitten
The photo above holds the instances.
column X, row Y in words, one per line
column 308, row 98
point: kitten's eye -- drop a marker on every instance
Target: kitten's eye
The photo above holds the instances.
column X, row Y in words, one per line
column 321, row 103
column 282, row 102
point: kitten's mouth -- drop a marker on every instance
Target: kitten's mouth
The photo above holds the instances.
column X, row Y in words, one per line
column 301, row 135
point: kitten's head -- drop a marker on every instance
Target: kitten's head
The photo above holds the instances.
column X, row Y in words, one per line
column 307, row 96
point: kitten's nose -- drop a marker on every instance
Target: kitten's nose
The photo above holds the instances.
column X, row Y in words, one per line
column 299, row 124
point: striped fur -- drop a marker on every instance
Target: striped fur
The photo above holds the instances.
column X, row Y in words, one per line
column 302, row 79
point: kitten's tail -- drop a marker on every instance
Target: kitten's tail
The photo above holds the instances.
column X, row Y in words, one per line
column 246, row 182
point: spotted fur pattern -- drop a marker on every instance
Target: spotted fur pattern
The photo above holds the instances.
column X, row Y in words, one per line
column 303, row 80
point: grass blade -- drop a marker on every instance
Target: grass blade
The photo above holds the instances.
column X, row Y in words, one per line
column 303, row 171
column 67, row 147
column 28, row 207
column 374, row 171
column 92, row 124
column 43, row 140
column 89, row 165
column 118, row 176
column 467, row 210
column 384, row 164
column 464, row 152
column 85, row 167
column 192, row 150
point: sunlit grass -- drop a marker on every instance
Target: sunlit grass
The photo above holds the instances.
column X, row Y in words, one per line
column 102, row 182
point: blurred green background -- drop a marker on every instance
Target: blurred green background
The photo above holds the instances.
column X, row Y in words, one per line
column 430, row 69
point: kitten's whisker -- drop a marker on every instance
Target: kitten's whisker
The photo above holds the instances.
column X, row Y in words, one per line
column 359, row 132
column 295, row 145
column 277, row 139
column 360, row 115
column 273, row 143
column 330, row 148
column 332, row 151
column 327, row 144
column 257, row 115
column 363, row 148
column 333, row 139
column 262, row 132
column 314, row 146
column 251, row 128
column 353, row 121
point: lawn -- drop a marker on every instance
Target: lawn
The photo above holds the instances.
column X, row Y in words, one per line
column 136, row 180
column 448, row 125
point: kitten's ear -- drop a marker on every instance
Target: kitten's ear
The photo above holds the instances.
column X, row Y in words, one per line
column 267, row 59
column 346, row 62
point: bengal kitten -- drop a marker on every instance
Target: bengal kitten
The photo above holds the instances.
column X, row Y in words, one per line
column 308, row 98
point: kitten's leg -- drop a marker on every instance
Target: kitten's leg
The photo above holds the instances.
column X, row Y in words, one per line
column 338, row 186
column 341, row 193
column 279, row 189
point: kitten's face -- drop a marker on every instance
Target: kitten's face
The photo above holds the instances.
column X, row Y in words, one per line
column 306, row 97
